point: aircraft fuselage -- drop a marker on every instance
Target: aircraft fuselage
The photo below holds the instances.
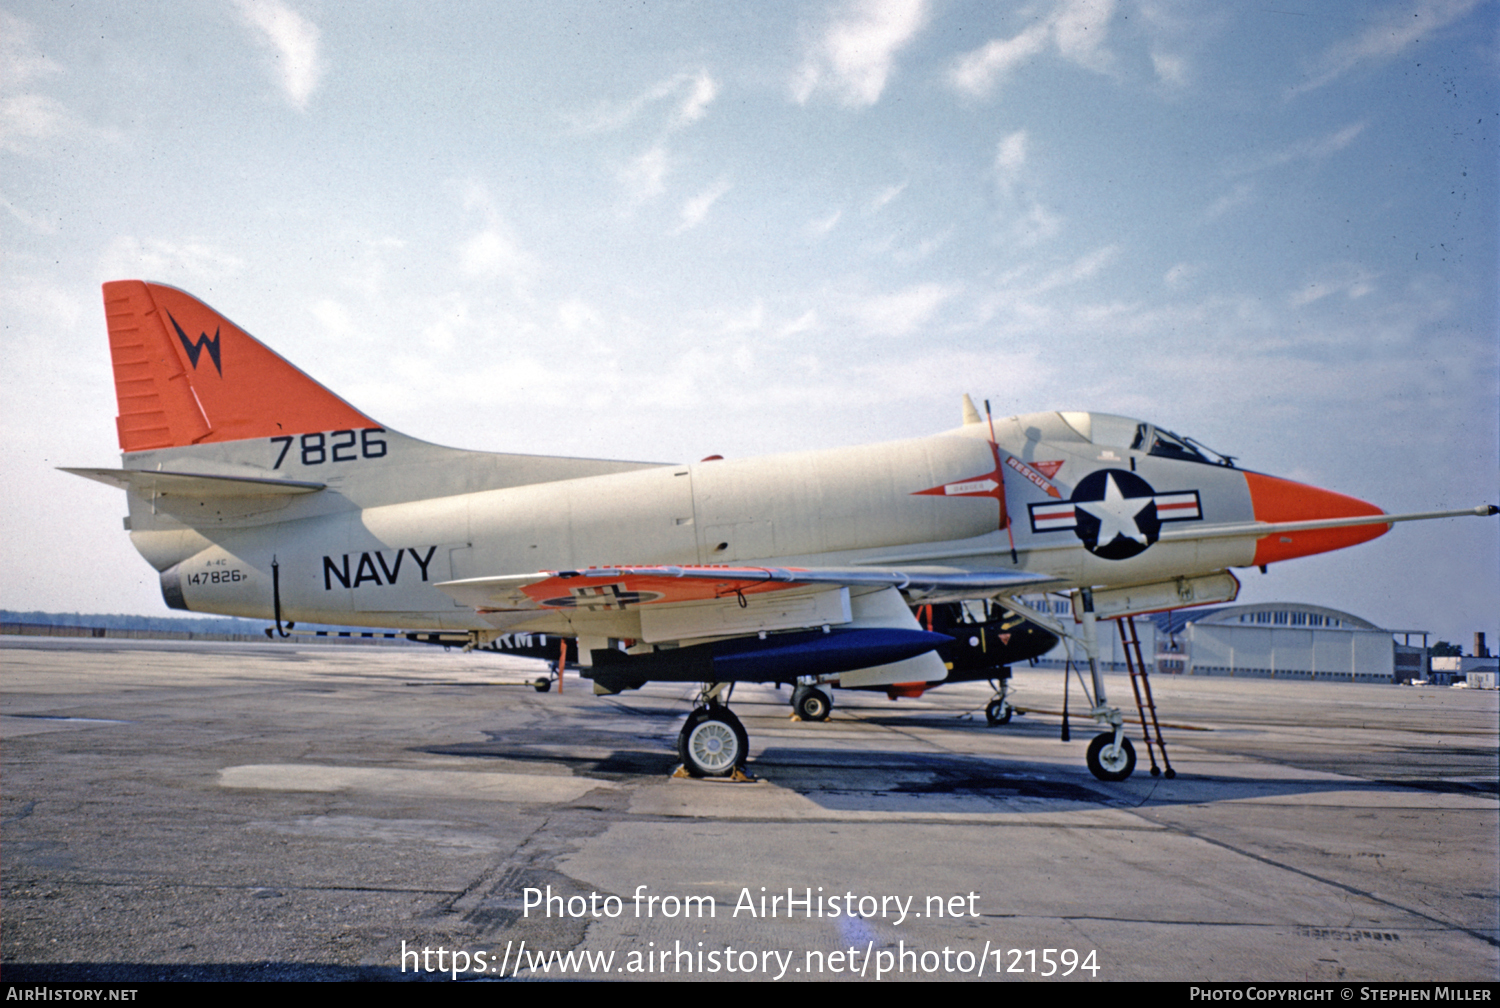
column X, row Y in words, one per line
column 343, row 557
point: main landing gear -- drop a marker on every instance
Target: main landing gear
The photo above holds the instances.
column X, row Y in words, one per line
column 713, row 743
column 811, row 704
column 999, row 711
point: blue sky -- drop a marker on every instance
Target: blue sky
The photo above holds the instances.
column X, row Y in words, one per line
column 669, row 230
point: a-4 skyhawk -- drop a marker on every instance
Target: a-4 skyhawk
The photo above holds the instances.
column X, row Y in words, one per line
column 255, row 491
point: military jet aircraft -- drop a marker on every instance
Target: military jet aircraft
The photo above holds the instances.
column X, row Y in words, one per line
column 984, row 641
column 254, row 491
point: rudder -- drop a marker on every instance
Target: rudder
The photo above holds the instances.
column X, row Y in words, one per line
column 176, row 385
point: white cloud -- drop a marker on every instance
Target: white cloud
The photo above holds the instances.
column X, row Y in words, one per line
column 28, row 119
column 856, row 53
column 1010, row 158
column 492, row 251
column 21, row 62
column 1336, row 141
column 1312, row 149
column 1180, row 274
column 1036, row 225
column 33, row 222
column 1241, row 193
column 880, row 199
column 447, row 316
column 1394, row 29
column 293, row 41
column 335, row 317
column 644, row 178
column 1170, row 68
column 1080, row 27
column 575, row 316
column 1077, row 28
column 694, row 91
column 1082, row 268
column 1010, row 154
column 976, row 72
column 172, row 262
column 696, row 208
column 804, row 323
column 702, row 90
column 925, row 247
column 903, row 312
column 1352, row 281
column 821, row 226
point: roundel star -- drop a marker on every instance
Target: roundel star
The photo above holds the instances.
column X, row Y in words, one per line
column 1117, row 514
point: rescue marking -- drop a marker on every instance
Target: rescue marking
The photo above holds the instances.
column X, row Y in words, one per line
column 1035, row 477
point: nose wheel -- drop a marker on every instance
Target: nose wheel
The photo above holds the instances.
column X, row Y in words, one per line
column 1109, row 761
column 713, row 743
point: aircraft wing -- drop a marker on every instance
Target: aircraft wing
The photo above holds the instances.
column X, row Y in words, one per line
column 627, row 587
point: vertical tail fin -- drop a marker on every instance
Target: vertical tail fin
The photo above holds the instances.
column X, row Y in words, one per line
column 178, row 385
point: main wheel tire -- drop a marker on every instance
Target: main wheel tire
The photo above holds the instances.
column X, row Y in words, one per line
column 1109, row 762
column 713, row 742
column 811, row 703
column 998, row 712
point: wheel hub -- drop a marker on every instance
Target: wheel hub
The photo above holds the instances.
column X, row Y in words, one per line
column 714, row 745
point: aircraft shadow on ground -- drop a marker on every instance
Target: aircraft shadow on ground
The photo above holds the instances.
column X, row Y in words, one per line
column 617, row 757
column 887, row 780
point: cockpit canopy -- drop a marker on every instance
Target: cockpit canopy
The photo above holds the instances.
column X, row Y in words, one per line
column 1111, row 431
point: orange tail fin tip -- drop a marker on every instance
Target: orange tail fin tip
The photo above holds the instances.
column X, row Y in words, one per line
column 184, row 374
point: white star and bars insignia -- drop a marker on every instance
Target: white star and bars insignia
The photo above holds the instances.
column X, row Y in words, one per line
column 1183, row 506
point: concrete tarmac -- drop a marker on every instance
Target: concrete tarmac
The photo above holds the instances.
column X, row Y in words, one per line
column 318, row 811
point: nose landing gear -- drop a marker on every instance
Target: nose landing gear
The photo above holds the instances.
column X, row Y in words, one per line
column 1111, row 760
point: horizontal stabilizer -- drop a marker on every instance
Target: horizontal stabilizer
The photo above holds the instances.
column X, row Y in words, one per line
column 197, row 486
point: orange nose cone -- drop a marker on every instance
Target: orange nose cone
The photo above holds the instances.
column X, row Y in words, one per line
column 1279, row 500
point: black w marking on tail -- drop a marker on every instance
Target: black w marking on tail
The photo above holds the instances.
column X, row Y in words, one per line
column 195, row 349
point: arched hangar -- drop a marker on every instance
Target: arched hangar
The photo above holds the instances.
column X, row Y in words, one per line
column 1285, row 640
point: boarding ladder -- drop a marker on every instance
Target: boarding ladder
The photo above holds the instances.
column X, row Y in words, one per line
column 1140, row 682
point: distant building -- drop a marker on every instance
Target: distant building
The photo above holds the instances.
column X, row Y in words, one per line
column 1282, row 640
column 1478, row 672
